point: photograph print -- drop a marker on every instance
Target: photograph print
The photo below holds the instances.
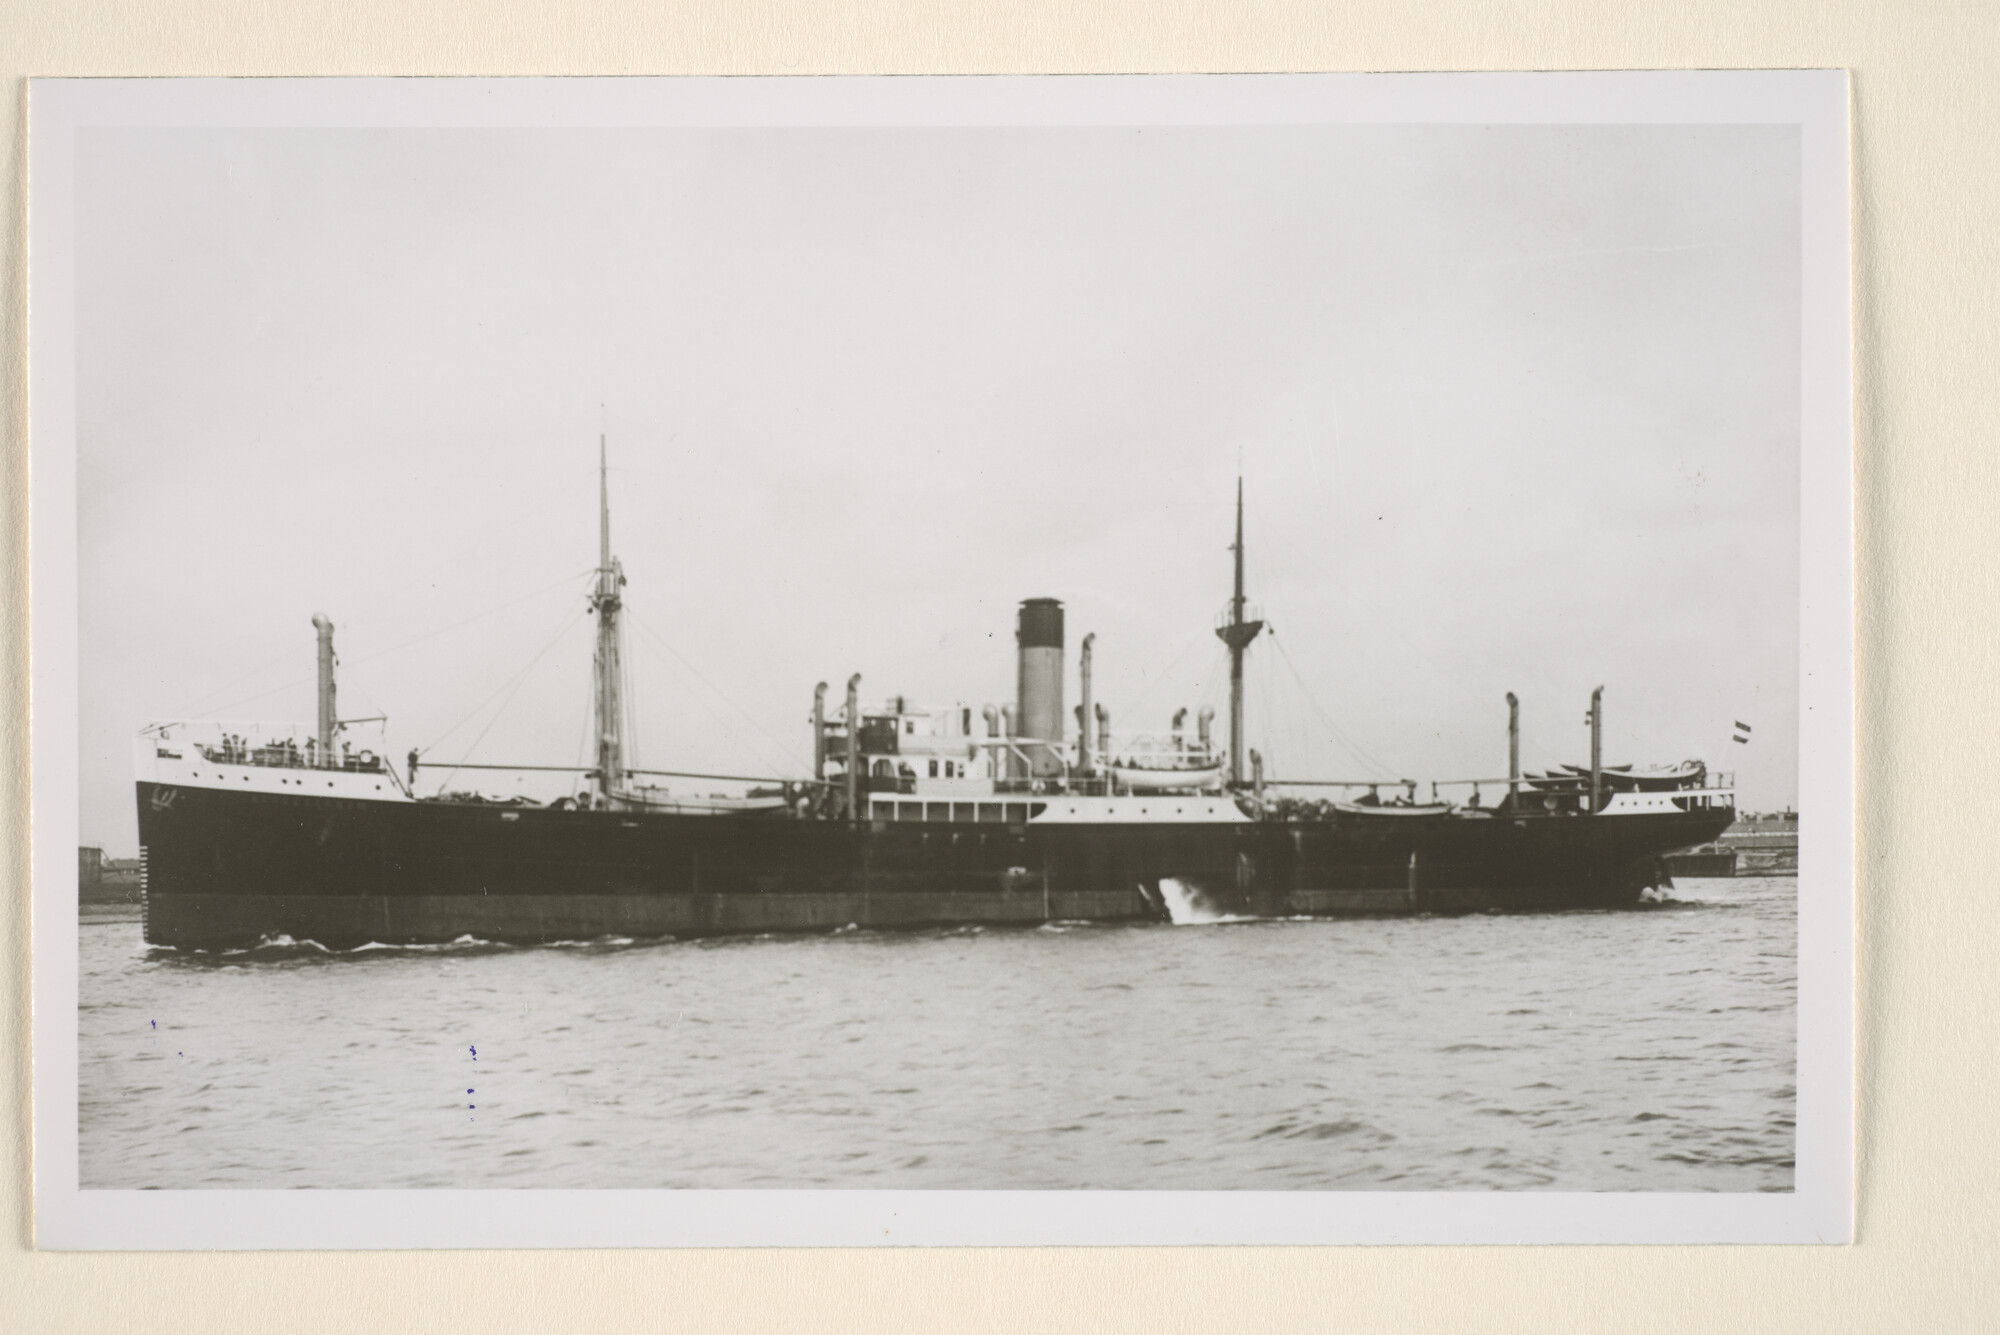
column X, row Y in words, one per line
column 804, row 652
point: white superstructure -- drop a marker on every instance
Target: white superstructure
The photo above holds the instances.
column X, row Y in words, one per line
column 260, row 758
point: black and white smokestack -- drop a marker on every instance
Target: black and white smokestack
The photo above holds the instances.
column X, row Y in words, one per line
column 1038, row 694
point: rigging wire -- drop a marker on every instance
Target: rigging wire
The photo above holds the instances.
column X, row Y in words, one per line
column 514, row 681
column 477, row 616
column 583, row 736
column 729, row 729
column 367, row 700
column 258, row 671
column 383, row 653
column 1288, row 740
column 1175, row 662
column 1210, row 696
column 1257, row 701
column 1352, row 747
column 1533, row 752
column 519, row 682
column 1289, row 747
column 1279, row 536
column 791, row 761
column 630, row 699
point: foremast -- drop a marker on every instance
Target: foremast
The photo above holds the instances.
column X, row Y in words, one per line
column 606, row 600
column 1236, row 631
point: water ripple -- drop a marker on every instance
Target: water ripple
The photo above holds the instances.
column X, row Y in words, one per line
column 1648, row 1050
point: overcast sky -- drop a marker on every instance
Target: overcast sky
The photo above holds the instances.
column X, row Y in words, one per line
column 1517, row 409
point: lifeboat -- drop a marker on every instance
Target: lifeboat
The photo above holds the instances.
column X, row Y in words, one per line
column 1654, row 779
column 1145, row 779
column 1403, row 810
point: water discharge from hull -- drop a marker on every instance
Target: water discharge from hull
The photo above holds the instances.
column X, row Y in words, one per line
column 1188, row 906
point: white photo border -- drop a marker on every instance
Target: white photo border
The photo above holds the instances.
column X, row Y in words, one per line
column 1819, row 1209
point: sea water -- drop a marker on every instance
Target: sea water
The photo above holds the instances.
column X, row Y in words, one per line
column 1645, row 1049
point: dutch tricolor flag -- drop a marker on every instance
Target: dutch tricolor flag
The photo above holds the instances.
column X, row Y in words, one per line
column 1742, row 732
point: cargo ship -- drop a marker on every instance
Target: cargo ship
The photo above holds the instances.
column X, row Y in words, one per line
column 912, row 816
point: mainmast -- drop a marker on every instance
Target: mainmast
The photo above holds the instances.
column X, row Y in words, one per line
column 605, row 602
column 1237, row 634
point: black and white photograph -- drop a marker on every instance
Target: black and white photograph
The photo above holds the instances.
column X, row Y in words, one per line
column 1057, row 660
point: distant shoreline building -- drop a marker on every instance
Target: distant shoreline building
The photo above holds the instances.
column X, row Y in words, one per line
column 102, row 880
column 1758, row 844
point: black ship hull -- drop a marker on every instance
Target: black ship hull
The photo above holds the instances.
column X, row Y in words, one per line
column 228, row 869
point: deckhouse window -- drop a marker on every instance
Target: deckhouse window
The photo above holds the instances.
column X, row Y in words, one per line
column 934, row 769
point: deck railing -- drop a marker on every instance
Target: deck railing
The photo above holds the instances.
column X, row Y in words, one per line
column 264, row 745
column 1705, row 789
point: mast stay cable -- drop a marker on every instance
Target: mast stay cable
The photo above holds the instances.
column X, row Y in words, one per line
column 1200, row 636
column 379, row 653
column 509, row 686
column 788, row 761
column 1352, row 747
